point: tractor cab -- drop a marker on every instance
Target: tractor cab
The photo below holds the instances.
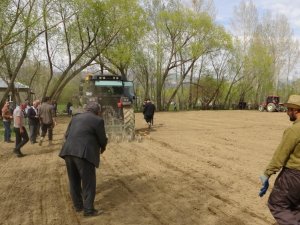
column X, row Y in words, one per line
column 272, row 104
column 116, row 97
column 273, row 99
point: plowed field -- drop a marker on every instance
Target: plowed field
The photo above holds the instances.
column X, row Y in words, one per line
column 191, row 168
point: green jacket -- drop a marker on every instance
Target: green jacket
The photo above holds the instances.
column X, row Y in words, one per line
column 287, row 153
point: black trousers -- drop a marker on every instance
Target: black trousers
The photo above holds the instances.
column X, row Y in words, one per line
column 82, row 181
column 21, row 138
column 45, row 128
column 284, row 200
column 149, row 119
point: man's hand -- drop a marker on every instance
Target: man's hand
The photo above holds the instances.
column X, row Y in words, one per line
column 21, row 129
column 265, row 185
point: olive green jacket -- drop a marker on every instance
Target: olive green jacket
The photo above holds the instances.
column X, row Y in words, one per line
column 287, row 153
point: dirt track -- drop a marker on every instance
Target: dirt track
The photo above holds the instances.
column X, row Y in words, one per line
column 192, row 168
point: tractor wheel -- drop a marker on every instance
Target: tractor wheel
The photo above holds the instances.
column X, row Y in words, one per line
column 129, row 123
column 271, row 107
column 261, row 108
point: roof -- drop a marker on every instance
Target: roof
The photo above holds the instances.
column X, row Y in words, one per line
column 18, row 85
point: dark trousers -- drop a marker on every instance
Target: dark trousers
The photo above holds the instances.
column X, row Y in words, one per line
column 45, row 128
column 284, row 200
column 33, row 132
column 149, row 119
column 21, row 138
column 7, row 130
column 82, row 181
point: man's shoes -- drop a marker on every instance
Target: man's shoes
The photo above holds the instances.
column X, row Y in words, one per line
column 9, row 141
column 78, row 209
column 15, row 151
column 41, row 141
column 93, row 212
column 18, row 153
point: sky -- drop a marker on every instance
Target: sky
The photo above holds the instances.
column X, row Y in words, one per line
column 289, row 8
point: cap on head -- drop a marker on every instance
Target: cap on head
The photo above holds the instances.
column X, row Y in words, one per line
column 93, row 107
column 293, row 102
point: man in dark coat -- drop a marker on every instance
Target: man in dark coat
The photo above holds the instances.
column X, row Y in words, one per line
column 148, row 112
column 85, row 140
column 33, row 121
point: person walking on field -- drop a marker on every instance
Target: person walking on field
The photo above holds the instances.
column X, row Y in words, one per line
column 20, row 130
column 148, row 112
column 85, row 141
column 69, row 108
column 47, row 119
column 33, row 121
column 284, row 200
column 7, row 118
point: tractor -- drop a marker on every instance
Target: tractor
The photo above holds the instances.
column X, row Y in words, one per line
column 116, row 97
column 272, row 104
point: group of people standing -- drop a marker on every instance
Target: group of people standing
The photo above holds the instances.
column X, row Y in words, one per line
column 40, row 117
column 86, row 140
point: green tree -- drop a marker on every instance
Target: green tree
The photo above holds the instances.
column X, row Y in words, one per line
column 129, row 19
column 178, row 38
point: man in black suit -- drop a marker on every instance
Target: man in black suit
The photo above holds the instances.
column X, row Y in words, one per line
column 85, row 140
column 33, row 121
column 148, row 112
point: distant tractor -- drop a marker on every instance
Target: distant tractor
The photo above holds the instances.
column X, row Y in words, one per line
column 272, row 104
column 116, row 97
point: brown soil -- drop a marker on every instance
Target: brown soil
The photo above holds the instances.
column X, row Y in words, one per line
column 192, row 168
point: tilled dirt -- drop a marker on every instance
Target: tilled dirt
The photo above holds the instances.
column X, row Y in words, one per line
column 199, row 167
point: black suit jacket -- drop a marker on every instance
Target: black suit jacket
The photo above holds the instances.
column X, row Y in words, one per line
column 85, row 137
column 149, row 109
column 32, row 119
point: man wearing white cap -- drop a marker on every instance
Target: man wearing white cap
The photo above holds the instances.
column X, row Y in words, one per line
column 284, row 200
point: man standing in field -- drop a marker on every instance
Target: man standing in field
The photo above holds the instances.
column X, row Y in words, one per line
column 284, row 200
column 148, row 112
column 7, row 118
column 47, row 119
column 85, row 140
column 20, row 130
column 33, row 121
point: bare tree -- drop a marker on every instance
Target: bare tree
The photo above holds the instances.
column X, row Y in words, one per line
column 22, row 30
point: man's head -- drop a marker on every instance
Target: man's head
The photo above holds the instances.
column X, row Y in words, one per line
column 293, row 107
column 93, row 107
column 46, row 99
column 36, row 103
column 23, row 106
